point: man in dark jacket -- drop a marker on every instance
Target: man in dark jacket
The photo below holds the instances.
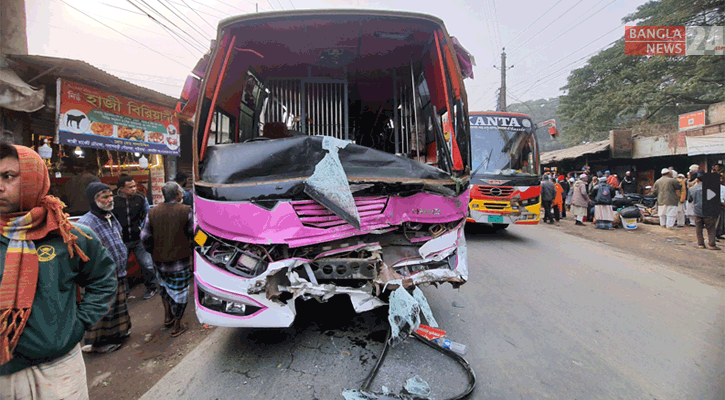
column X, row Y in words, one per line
column 130, row 209
column 42, row 265
column 75, row 189
column 628, row 184
column 167, row 236
column 548, row 192
column 702, row 220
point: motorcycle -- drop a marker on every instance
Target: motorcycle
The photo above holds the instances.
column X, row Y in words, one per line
column 647, row 203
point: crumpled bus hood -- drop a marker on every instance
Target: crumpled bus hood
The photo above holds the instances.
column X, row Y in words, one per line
column 323, row 168
column 297, row 157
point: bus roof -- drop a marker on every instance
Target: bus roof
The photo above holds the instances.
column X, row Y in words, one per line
column 325, row 14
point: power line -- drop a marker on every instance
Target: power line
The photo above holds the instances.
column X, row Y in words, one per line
column 187, row 21
column 532, row 24
column 124, row 35
column 498, row 25
column 574, row 52
column 293, row 6
column 562, row 33
column 537, row 33
column 197, row 14
column 121, row 8
column 564, row 69
column 203, row 12
column 202, row 45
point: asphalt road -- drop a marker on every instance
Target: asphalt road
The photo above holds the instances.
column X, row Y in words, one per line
column 545, row 315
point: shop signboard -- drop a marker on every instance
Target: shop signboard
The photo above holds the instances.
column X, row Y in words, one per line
column 89, row 117
column 692, row 120
column 157, row 182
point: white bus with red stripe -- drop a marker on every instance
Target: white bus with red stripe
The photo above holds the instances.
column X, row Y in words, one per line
column 505, row 184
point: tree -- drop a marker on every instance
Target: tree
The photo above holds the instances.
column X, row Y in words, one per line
column 541, row 110
column 615, row 91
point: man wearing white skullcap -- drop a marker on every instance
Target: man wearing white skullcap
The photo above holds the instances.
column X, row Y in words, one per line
column 580, row 199
column 666, row 189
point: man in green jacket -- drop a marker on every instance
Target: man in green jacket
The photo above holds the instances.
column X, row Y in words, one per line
column 44, row 259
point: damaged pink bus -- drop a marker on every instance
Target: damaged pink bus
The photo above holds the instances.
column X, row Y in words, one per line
column 330, row 158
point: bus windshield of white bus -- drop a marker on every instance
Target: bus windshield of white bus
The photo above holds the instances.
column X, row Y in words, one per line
column 503, row 146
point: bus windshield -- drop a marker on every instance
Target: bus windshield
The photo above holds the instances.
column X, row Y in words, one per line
column 509, row 150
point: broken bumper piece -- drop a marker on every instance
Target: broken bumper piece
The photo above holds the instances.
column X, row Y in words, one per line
column 268, row 300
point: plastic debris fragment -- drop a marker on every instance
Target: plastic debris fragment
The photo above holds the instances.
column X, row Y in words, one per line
column 403, row 315
column 417, row 387
column 424, row 307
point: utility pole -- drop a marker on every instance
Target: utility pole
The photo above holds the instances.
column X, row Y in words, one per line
column 502, row 93
column 501, row 104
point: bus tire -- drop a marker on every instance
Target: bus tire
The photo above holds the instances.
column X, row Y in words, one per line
column 500, row 226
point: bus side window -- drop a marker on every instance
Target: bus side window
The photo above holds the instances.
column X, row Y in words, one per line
column 221, row 128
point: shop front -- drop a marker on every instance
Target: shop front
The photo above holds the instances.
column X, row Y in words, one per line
column 114, row 134
column 93, row 123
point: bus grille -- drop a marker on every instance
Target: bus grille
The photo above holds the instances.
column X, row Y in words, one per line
column 495, row 206
column 495, row 191
column 315, row 215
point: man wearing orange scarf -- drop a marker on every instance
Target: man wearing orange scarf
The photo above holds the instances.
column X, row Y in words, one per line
column 44, row 259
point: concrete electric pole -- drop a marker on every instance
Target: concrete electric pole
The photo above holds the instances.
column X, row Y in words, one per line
column 502, row 92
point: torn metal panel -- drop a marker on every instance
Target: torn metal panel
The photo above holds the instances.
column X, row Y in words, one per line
column 328, row 184
column 439, row 244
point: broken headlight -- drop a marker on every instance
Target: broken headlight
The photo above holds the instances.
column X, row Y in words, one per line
column 529, row 202
column 237, row 259
column 225, row 306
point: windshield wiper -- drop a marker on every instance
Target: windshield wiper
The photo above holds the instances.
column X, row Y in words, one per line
column 488, row 160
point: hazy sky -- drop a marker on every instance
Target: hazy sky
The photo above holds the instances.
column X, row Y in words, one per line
column 544, row 40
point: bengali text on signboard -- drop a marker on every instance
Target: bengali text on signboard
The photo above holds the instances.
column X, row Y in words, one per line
column 88, row 117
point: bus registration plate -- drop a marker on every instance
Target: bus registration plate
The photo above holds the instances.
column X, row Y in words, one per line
column 496, row 219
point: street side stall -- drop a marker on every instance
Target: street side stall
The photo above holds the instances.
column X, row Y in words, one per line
column 114, row 134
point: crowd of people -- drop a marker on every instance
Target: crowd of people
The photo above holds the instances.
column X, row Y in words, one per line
column 589, row 197
column 62, row 282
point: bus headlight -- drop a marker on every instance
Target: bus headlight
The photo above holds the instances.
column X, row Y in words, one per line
column 529, row 202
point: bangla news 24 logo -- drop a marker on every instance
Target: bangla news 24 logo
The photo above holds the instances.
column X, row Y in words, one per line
column 673, row 41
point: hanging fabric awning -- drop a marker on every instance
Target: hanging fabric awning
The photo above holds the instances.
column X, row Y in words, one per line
column 17, row 95
column 702, row 145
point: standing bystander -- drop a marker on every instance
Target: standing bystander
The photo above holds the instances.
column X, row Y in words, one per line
column 75, row 189
column 183, row 180
column 113, row 329
column 682, row 193
column 166, row 235
column 580, row 199
column 548, row 194
column 666, row 189
column 564, row 193
column 628, row 185
column 703, row 220
column 130, row 209
column 602, row 195
column 43, row 265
